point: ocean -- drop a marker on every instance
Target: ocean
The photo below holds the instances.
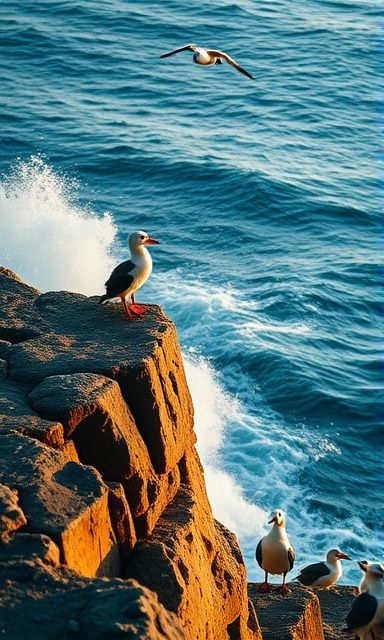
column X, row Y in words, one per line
column 265, row 196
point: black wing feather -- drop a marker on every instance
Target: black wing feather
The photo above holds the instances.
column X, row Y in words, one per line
column 120, row 279
column 362, row 612
column 259, row 554
column 308, row 575
column 291, row 557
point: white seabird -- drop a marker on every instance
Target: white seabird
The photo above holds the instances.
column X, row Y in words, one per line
column 323, row 574
column 130, row 275
column 274, row 552
column 363, row 586
column 208, row 57
column 367, row 612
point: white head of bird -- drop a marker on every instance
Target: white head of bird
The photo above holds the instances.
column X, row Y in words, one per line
column 139, row 239
column 335, row 554
column 373, row 576
column 277, row 517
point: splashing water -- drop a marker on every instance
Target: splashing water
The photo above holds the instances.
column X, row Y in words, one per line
column 46, row 237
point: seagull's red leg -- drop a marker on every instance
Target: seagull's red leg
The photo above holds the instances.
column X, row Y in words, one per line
column 284, row 587
column 128, row 314
column 137, row 309
column 264, row 586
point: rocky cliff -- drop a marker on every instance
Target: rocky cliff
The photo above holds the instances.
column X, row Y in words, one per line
column 106, row 530
column 105, row 522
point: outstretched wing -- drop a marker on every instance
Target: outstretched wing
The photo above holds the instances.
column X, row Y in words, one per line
column 225, row 56
column 187, row 47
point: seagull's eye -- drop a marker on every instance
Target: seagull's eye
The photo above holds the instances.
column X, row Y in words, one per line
column 142, row 237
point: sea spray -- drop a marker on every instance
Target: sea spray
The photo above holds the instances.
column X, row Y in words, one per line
column 49, row 239
column 214, row 409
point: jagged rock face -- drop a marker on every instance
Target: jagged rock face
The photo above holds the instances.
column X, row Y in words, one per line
column 99, row 470
column 46, row 603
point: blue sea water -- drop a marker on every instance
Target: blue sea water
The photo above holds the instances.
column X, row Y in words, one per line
column 265, row 196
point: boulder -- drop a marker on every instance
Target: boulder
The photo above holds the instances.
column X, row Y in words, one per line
column 12, row 517
column 96, row 418
column 44, row 603
column 293, row 616
column 195, row 565
column 16, row 415
column 81, row 336
column 64, row 500
column 30, row 547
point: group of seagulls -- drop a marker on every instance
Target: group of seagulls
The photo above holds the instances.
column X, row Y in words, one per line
column 275, row 555
column 274, row 552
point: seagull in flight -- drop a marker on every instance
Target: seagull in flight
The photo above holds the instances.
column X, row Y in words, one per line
column 208, row 57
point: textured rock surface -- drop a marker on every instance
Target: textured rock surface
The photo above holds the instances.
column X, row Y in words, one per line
column 295, row 616
column 200, row 562
column 335, row 604
column 99, row 476
column 99, row 470
column 43, row 603
column 11, row 516
column 64, row 500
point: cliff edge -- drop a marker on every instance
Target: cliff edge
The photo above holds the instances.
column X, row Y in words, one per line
column 105, row 524
column 106, row 530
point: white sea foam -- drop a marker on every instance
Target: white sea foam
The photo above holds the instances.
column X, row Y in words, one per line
column 213, row 410
column 46, row 237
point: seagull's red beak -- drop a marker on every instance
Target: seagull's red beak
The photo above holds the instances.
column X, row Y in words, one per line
column 152, row 241
column 363, row 565
column 343, row 556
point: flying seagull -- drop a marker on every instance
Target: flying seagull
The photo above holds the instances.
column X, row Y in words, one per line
column 323, row 574
column 367, row 612
column 274, row 552
column 130, row 275
column 207, row 57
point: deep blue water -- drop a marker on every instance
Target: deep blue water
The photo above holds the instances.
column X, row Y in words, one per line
column 265, row 196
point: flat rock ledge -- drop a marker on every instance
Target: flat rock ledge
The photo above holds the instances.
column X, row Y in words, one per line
column 106, row 530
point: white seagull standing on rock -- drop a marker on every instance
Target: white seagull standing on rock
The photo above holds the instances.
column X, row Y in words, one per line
column 367, row 612
column 130, row 275
column 208, row 57
column 274, row 552
column 323, row 574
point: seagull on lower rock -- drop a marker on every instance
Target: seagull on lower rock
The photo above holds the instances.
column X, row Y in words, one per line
column 323, row 574
column 130, row 275
column 367, row 612
column 274, row 552
column 208, row 57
